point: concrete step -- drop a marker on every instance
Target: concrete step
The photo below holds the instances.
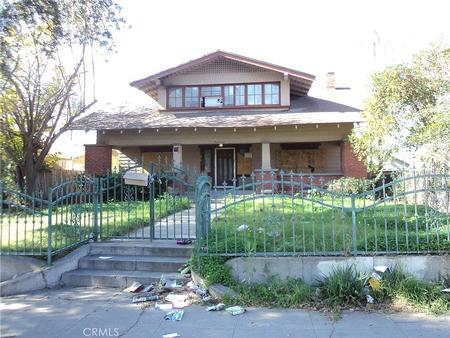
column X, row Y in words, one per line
column 113, row 278
column 131, row 263
column 141, row 248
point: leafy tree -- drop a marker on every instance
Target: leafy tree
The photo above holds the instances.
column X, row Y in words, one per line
column 44, row 46
column 409, row 109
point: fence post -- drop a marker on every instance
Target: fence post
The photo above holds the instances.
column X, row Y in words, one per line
column 95, row 207
column 355, row 246
column 49, row 227
column 152, row 200
column 202, row 212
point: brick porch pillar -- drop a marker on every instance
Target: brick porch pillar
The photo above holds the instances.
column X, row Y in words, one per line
column 350, row 165
column 97, row 159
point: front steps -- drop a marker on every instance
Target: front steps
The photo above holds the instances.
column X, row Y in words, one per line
column 120, row 263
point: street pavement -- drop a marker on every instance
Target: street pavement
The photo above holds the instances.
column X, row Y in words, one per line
column 89, row 312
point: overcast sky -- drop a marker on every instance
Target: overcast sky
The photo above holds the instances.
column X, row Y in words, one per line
column 352, row 38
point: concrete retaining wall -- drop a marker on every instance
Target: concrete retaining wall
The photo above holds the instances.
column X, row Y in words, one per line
column 46, row 277
column 259, row 269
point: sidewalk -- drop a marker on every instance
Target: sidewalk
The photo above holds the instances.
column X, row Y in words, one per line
column 81, row 312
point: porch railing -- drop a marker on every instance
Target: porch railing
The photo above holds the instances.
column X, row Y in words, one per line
column 274, row 213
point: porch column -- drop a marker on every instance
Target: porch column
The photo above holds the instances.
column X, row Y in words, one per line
column 177, row 155
column 350, row 165
column 266, row 178
column 265, row 162
column 97, row 159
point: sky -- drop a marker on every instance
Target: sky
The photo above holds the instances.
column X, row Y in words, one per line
column 351, row 38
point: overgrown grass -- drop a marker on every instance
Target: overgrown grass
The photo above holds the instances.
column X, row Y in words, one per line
column 321, row 225
column 343, row 286
column 290, row 293
column 401, row 288
column 27, row 231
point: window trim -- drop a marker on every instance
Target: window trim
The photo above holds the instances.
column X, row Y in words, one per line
column 223, row 85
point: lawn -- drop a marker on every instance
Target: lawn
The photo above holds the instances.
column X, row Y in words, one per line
column 285, row 225
column 27, row 232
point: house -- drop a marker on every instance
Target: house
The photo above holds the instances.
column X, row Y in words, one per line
column 228, row 115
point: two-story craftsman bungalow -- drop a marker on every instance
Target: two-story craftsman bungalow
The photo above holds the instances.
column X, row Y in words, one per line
column 228, row 115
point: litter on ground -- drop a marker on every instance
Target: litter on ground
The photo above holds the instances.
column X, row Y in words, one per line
column 218, row 307
column 370, row 299
column 381, row 268
column 163, row 307
column 135, row 287
column 140, row 299
column 235, row 310
column 178, row 301
column 175, row 315
column 104, row 257
column 184, row 241
column 171, row 335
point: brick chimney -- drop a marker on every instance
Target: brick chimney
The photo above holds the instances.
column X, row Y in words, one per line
column 331, row 81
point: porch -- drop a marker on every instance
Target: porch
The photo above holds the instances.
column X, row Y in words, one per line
column 233, row 163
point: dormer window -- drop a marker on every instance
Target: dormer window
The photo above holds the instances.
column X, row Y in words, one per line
column 224, row 96
column 175, row 97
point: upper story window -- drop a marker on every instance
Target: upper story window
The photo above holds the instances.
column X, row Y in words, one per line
column 230, row 95
column 271, row 93
column 175, row 97
column 191, row 97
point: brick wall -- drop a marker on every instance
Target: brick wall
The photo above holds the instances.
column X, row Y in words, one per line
column 350, row 165
column 97, row 159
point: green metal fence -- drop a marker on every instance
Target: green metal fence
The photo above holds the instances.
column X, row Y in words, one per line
column 83, row 209
column 274, row 213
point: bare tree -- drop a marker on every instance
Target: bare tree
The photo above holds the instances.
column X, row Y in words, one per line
column 42, row 93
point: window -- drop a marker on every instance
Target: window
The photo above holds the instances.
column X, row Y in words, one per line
column 191, row 98
column 212, row 91
column 226, row 95
column 254, row 94
column 175, row 97
column 229, row 96
column 271, row 93
column 240, row 95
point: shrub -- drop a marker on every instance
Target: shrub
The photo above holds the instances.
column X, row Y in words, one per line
column 213, row 270
column 349, row 185
column 344, row 285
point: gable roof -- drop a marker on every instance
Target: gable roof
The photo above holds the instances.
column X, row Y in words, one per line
column 300, row 81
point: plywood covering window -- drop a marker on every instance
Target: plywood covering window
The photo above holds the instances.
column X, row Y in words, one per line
column 229, row 95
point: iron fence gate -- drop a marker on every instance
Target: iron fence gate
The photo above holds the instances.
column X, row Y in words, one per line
column 278, row 213
column 92, row 208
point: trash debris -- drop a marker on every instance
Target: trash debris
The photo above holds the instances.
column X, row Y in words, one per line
column 370, row 299
column 185, row 270
column 374, row 283
column 163, row 307
column 446, row 290
column 135, row 287
column 242, row 227
column 171, row 284
column 148, row 288
column 178, row 301
column 175, row 315
column 171, row 335
column 104, row 257
column 184, row 242
column 381, row 268
column 218, row 307
column 235, row 310
column 140, row 299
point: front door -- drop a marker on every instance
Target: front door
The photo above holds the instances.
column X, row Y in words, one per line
column 225, row 166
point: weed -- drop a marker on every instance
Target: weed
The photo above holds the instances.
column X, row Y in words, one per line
column 291, row 293
column 343, row 286
column 213, row 270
